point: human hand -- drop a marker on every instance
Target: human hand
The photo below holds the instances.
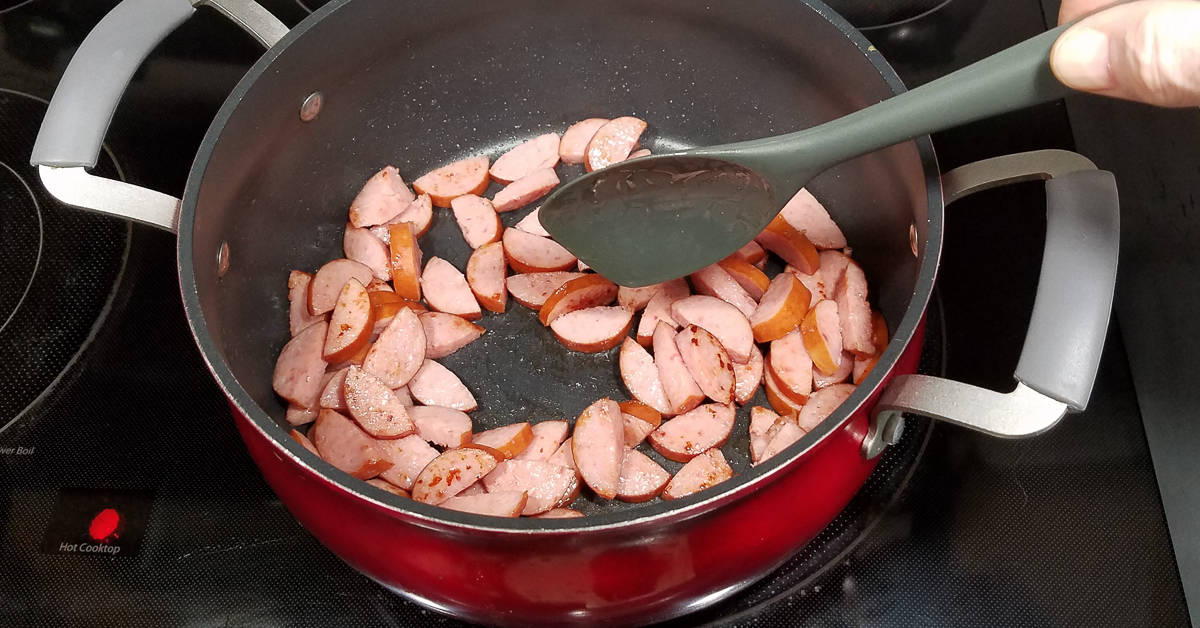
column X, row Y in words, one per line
column 1148, row 50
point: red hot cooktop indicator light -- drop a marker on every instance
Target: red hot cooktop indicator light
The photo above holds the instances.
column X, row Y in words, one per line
column 104, row 525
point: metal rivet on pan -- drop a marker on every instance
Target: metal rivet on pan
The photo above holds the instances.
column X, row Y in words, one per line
column 311, row 107
column 223, row 259
column 912, row 239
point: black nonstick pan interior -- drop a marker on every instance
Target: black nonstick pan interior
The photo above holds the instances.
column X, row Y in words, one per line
column 418, row 85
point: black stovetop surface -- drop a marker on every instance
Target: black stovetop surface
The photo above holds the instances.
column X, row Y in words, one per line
column 1066, row 529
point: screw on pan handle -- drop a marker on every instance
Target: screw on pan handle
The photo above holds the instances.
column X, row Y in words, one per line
column 1066, row 333
column 77, row 119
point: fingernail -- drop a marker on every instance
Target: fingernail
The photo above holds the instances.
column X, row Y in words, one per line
column 1080, row 59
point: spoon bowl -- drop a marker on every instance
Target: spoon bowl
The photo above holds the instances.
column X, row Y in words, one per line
column 655, row 218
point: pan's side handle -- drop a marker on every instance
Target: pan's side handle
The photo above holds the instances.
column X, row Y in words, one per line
column 72, row 133
column 1070, row 313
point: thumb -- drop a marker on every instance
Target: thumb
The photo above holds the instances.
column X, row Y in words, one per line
column 1147, row 51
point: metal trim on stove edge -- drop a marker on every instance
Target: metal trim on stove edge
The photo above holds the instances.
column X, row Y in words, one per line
column 425, row 514
column 1022, row 412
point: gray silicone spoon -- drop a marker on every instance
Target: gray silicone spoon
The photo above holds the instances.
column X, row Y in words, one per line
column 654, row 218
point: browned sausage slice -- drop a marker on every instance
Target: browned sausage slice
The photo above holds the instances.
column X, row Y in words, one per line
column 782, row 308
column 344, row 445
column 298, row 315
column 419, row 214
column 365, row 248
column 642, row 479
column 564, row 456
column 547, row 485
column 775, row 396
column 468, row 176
column 486, row 270
column 791, row 366
column 382, row 197
column 681, row 390
column 303, row 440
column 753, row 280
column 509, row 440
column 613, row 142
column 636, row 430
column 446, row 289
column 845, row 369
column 805, row 213
column 598, row 446
column 506, row 504
column 447, row 333
column 822, row 404
column 399, row 351
column 582, row 292
column 532, row 224
column 477, row 220
column 879, row 337
column 295, row 415
column 451, row 472
column 707, row 362
column 547, row 436
column 785, row 435
column 389, row 487
column 408, row 456
column 299, row 368
column 813, row 283
column 528, row 253
column 559, row 513
column 332, row 395
column 752, row 252
column 593, row 329
column 573, row 147
column 637, row 298
column 715, row 282
column 822, row 334
column 376, row 408
column 640, row 375
column 792, row 245
column 444, row 427
column 720, row 319
column 833, row 266
column 532, row 289
column 703, row 471
column 690, row 434
column 537, row 153
column 658, row 308
column 747, row 377
column 474, row 489
column 350, row 325
column 525, row 190
column 854, row 313
column 761, row 421
column 327, row 284
column 436, row 385
column 405, row 260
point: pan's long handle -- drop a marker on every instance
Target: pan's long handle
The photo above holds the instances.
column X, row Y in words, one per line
column 77, row 119
column 1070, row 313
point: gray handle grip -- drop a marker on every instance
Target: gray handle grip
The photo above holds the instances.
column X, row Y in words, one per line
column 1074, row 297
column 87, row 95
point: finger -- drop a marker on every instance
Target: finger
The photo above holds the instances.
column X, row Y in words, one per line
column 1073, row 9
column 1145, row 51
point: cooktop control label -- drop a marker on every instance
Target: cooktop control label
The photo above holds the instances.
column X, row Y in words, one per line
column 98, row 522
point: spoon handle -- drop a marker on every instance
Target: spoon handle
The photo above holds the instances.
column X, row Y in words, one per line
column 1013, row 78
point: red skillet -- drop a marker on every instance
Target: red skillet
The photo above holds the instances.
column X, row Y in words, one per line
column 362, row 83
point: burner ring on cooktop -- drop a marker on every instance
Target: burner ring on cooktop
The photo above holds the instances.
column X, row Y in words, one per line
column 9, row 5
column 62, row 268
column 20, row 219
